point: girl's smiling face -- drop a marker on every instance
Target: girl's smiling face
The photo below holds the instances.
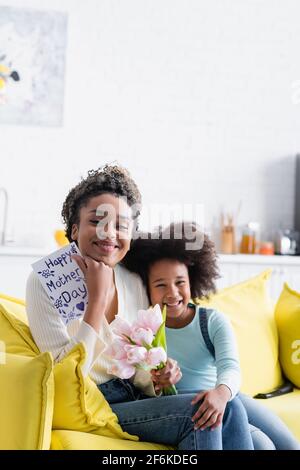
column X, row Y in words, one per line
column 104, row 237
column 169, row 285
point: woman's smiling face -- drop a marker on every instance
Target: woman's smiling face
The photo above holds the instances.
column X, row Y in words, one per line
column 104, row 229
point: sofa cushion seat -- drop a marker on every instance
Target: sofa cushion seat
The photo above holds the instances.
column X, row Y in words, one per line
column 287, row 407
column 74, row 440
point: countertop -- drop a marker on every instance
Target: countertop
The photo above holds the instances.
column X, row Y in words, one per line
column 6, row 250
column 238, row 258
column 259, row 259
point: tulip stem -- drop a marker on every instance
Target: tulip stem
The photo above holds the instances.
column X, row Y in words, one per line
column 171, row 390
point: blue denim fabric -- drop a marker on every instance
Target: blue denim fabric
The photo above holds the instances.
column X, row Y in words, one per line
column 120, row 391
column 270, row 424
column 268, row 432
column 167, row 419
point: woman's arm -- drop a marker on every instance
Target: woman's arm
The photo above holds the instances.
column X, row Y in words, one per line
column 100, row 284
column 49, row 331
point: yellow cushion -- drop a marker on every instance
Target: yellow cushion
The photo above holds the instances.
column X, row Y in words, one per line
column 79, row 405
column 26, row 402
column 14, row 333
column 251, row 312
column 71, row 440
column 287, row 407
column 287, row 315
column 15, row 306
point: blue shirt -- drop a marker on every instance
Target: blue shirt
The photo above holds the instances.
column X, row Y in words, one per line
column 200, row 370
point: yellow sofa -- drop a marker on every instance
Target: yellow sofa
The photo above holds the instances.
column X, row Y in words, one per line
column 42, row 407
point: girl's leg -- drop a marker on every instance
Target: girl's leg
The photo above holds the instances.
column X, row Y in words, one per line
column 150, row 419
column 260, row 440
column 167, row 420
column 236, row 429
column 268, row 422
column 236, row 425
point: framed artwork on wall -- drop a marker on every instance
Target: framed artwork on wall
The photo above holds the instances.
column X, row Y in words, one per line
column 32, row 66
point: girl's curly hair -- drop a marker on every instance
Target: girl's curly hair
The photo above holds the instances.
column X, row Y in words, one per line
column 111, row 179
column 200, row 262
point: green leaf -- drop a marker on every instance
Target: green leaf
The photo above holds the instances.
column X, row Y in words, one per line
column 170, row 390
column 160, row 337
column 146, row 346
column 160, row 366
column 129, row 339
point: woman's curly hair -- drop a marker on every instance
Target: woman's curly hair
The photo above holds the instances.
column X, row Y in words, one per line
column 200, row 262
column 111, row 179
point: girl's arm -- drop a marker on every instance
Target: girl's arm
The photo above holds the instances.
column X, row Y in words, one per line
column 169, row 375
column 226, row 352
column 213, row 402
column 211, row 411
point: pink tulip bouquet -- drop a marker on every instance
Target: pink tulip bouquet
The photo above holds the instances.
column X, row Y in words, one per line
column 141, row 345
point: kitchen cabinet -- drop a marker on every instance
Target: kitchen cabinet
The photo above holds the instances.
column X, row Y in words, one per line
column 15, row 267
column 238, row 268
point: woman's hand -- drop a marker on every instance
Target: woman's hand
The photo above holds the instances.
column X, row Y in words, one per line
column 167, row 376
column 99, row 280
column 211, row 411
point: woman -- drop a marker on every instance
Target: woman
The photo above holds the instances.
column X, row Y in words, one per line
column 100, row 215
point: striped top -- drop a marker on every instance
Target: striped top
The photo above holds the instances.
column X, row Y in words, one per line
column 51, row 334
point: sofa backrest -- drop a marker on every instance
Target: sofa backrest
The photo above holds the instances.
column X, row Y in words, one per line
column 251, row 312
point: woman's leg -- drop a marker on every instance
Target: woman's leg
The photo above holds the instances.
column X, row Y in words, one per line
column 268, row 422
column 167, row 420
column 118, row 391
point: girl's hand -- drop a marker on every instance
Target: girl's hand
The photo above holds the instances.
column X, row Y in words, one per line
column 98, row 277
column 211, row 411
column 167, row 376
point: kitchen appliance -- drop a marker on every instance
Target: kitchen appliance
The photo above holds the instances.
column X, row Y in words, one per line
column 287, row 242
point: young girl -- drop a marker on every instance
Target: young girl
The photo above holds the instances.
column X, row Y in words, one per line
column 99, row 216
column 206, row 354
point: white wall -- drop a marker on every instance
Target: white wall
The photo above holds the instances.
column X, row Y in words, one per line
column 195, row 98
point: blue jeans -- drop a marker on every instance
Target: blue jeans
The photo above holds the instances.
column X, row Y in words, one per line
column 268, row 432
column 270, row 424
column 167, row 420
